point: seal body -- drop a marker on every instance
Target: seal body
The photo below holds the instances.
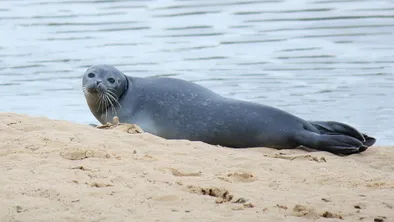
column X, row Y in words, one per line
column 177, row 109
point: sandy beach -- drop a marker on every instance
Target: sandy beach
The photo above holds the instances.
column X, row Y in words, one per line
column 54, row 170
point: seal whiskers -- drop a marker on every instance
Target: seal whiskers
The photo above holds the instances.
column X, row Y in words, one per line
column 105, row 102
column 110, row 98
column 101, row 102
column 114, row 99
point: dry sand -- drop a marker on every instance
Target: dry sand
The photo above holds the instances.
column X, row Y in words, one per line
column 61, row 171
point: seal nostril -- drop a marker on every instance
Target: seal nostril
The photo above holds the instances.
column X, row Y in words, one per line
column 98, row 83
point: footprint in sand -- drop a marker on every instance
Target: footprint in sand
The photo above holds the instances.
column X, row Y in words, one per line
column 165, row 198
column 145, row 157
column 310, row 213
column 80, row 154
column 179, row 173
column 222, row 196
column 99, row 185
column 238, row 177
column 304, row 211
column 298, row 157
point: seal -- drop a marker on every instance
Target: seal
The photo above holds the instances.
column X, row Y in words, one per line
column 172, row 108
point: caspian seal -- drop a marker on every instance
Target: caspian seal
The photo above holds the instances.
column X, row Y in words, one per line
column 177, row 109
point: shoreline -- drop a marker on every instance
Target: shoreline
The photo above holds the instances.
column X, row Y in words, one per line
column 64, row 171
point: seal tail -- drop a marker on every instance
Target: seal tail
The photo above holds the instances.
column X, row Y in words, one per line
column 337, row 128
column 337, row 144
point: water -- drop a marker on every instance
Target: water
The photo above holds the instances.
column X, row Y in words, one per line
column 318, row 59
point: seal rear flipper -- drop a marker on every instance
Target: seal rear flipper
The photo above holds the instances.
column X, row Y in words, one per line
column 337, row 128
column 331, row 127
column 369, row 141
column 337, row 144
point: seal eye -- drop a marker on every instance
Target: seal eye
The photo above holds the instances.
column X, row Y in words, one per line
column 90, row 75
column 111, row 80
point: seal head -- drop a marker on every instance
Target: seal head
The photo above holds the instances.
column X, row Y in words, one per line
column 103, row 86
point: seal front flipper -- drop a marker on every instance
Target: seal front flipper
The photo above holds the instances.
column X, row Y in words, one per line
column 337, row 128
column 337, row 144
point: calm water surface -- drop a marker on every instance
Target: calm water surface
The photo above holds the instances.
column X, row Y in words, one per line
column 319, row 59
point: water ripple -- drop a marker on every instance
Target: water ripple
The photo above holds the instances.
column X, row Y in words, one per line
column 323, row 18
column 187, row 14
column 79, row 23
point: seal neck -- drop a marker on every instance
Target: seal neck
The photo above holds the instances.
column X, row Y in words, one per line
column 126, row 87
